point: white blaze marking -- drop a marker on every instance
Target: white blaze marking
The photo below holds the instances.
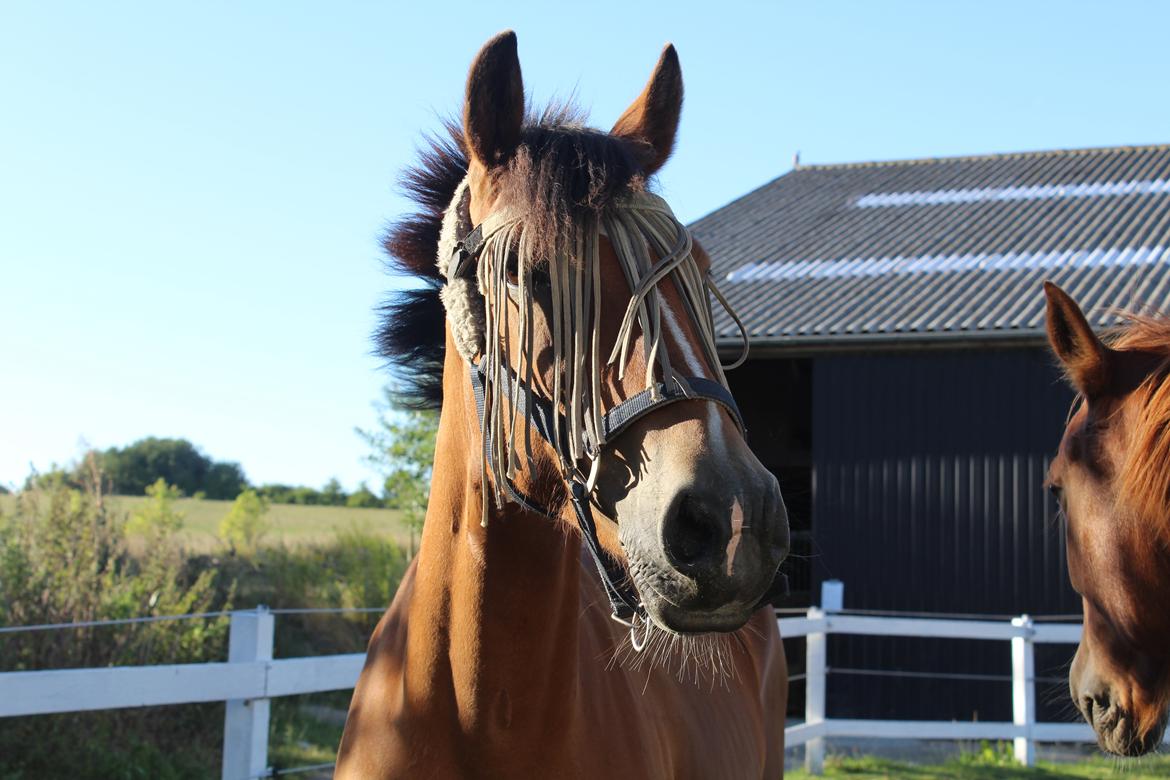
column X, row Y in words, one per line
column 714, row 422
column 736, row 533
column 695, row 366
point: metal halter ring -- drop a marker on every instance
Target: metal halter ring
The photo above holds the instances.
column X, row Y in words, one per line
column 639, row 646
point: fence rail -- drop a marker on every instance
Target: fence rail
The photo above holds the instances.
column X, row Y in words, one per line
column 1022, row 632
column 247, row 682
column 251, row 678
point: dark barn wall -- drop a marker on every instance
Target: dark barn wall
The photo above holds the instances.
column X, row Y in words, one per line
column 928, row 496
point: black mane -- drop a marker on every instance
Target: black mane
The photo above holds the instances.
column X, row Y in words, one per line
column 561, row 171
column 410, row 333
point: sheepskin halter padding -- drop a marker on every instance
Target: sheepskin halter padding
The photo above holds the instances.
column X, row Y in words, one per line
column 462, row 300
column 480, row 311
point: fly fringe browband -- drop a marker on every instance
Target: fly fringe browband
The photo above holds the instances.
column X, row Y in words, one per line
column 491, row 265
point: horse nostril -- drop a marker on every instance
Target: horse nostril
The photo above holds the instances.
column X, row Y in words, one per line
column 691, row 534
column 1095, row 707
column 1087, row 708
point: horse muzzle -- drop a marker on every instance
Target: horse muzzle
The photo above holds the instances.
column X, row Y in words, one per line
column 713, row 559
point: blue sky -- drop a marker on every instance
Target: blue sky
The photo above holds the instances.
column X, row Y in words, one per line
column 191, row 194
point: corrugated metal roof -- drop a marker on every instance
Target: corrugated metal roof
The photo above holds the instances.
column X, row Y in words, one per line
column 941, row 248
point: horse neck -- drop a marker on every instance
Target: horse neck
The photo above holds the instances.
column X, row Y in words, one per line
column 498, row 605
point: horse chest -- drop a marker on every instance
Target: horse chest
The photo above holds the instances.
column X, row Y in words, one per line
column 658, row 726
column 619, row 722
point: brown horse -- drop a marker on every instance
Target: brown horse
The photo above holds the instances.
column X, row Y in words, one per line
column 1112, row 479
column 576, row 374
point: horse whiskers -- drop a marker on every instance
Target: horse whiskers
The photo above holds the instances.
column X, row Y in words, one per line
column 693, row 657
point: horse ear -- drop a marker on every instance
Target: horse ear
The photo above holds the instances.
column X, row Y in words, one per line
column 493, row 112
column 1085, row 357
column 651, row 121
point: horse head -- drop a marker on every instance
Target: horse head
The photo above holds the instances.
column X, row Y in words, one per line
column 1111, row 477
column 583, row 306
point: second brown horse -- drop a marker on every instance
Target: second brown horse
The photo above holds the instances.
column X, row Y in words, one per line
column 1112, row 479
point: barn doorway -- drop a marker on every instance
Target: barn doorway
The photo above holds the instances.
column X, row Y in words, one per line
column 775, row 398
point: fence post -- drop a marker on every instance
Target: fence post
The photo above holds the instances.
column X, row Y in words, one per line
column 832, row 595
column 815, row 663
column 245, row 722
column 1024, row 689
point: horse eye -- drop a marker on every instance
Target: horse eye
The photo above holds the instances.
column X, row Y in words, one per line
column 538, row 277
column 1057, row 493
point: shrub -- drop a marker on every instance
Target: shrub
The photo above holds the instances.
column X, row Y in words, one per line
column 355, row 569
column 989, row 754
column 157, row 519
column 63, row 558
column 245, row 523
column 56, row 475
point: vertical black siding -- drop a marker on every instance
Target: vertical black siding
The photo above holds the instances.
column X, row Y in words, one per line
column 928, row 471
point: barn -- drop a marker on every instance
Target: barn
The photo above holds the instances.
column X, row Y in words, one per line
column 900, row 387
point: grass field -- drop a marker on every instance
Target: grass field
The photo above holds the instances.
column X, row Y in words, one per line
column 291, row 524
column 980, row 768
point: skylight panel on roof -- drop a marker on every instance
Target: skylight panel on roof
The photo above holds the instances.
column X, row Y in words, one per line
column 849, row 268
column 1037, row 192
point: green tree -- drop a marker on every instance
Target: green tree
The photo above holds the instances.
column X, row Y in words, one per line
column 363, row 498
column 333, row 494
column 245, row 523
column 305, row 496
column 402, row 449
column 276, row 493
column 224, row 481
column 132, row 468
column 158, row 518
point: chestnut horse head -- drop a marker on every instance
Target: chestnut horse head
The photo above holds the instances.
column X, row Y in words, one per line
column 1111, row 477
column 580, row 307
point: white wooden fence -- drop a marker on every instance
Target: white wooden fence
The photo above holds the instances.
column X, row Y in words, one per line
column 247, row 682
column 251, row 678
column 1021, row 632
